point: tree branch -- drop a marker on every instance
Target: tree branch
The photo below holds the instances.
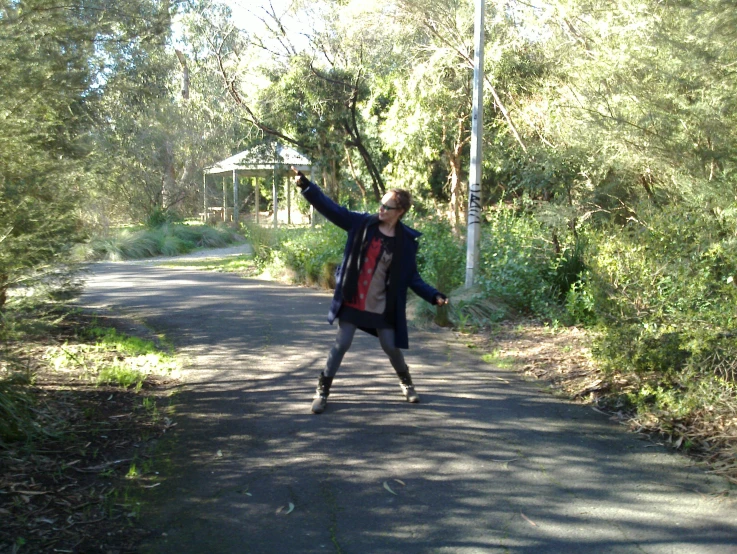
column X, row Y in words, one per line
column 230, row 85
column 497, row 100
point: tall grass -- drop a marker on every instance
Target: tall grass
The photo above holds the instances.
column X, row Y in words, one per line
column 166, row 240
column 264, row 241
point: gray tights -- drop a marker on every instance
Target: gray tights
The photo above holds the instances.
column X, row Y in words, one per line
column 343, row 343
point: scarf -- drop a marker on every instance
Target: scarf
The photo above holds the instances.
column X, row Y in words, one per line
column 355, row 258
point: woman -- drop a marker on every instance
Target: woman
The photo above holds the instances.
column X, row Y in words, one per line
column 379, row 264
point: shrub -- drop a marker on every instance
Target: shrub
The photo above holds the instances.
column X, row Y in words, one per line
column 263, row 240
column 160, row 216
column 664, row 298
column 517, row 264
column 442, row 255
column 312, row 254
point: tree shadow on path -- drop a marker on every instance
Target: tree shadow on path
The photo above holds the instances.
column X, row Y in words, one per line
column 486, row 463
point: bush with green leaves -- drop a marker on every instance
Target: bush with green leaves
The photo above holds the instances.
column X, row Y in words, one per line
column 518, row 264
column 312, row 254
column 441, row 258
column 664, row 295
column 263, row 241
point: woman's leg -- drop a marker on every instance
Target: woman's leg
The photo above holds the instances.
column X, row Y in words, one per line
column 342, row 343
column 386, row 338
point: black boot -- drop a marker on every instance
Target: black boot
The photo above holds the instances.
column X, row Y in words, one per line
column 322, row 392
column 408, row 389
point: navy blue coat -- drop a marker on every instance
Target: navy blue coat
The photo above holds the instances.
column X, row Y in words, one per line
column 408, row 274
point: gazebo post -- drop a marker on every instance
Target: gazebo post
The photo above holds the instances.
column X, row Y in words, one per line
column 257, row 187
column 225, row 198
column 204, row 196
column 235, row 199
column 288, row 191
column 275, row 203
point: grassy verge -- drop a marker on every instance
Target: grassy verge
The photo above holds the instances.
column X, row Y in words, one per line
column 244, row 265
column 83, row 410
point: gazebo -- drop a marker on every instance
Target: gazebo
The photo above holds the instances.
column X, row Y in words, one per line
column 261, row 161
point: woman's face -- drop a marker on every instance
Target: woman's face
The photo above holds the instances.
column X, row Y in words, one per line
column 389, row 210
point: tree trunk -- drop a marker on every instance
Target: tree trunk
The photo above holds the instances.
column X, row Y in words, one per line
column 185, row 74
column 456, row 190
column 169, row 178
column 355, row 176
column 456, row 173
column 3, row 290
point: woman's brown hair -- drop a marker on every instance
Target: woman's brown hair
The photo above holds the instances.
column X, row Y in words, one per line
column 403, row 198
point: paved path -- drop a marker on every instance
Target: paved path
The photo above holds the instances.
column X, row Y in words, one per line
column 486, row 463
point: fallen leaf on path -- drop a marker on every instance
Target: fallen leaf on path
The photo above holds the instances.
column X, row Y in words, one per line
column 289, row 508
column 219, row 453
column 528, row 520
column 387, row 487
column 401, row 482
column 151, row 486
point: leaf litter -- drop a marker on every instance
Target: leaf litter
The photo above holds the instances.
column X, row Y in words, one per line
column 76, row 486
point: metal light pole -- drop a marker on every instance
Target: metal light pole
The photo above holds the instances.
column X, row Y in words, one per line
column 474, row 175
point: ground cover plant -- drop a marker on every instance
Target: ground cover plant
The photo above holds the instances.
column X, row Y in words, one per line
column 82, row 409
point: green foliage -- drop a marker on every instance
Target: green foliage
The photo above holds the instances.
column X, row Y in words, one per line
column 517, row 264
column 159, row 217
column 112, row 358
column 53, row 60
column 441, row 257
column 263, row 240
column 663, row 298
column 110, row 338
column 580, row 304
column 312, row 254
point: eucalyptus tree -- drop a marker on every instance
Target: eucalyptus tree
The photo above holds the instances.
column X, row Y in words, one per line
column 637, row 99
column 53, row 61
column 306, row 79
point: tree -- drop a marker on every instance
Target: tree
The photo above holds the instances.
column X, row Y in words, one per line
column 52, row 58
column 314, row 98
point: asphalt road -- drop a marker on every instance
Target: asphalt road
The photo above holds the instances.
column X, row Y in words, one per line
column 486, row 463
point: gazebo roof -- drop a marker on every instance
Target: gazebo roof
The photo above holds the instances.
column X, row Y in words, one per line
column 261, row 160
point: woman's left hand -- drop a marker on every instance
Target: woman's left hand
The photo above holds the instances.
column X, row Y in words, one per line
column 441, row 300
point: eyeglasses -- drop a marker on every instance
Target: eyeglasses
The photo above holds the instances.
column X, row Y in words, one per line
column 388, row 208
